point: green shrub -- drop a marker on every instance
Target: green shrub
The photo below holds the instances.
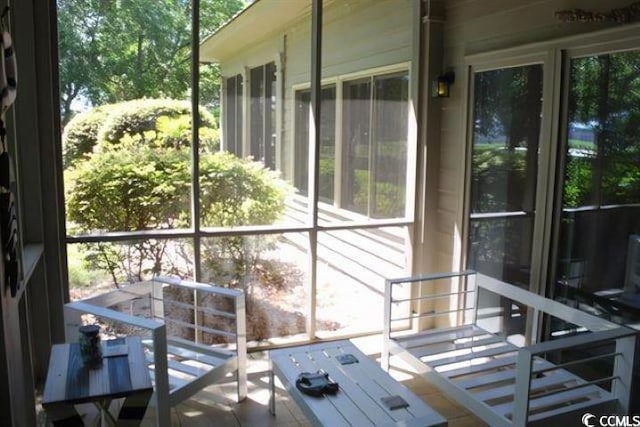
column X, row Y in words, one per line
column 81, row 134
column 237, row 192
column 129, row 189
column 147, row 122
column 140, row 188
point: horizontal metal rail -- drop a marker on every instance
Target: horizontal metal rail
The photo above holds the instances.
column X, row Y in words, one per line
column 177, row 233
column 500, row 215
column 206, row 310
column 431, row 277
column 430, row 314
column 575, row 387
column 576, row 362
column 201, row 328
column 435, row 296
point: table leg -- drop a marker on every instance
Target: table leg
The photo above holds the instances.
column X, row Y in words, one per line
column 63, row 415
column 272, row 388
column 134, row 408
column 106, row 417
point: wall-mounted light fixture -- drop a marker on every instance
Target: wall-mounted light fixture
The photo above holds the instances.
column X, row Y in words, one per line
column 441, row 85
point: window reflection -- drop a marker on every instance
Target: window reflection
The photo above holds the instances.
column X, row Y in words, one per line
column 601, row 186
column 327, row 142
column 374, row 133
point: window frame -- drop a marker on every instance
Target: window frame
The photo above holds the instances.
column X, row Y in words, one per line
column 339, row 81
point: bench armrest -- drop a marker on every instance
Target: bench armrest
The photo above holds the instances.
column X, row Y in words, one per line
column 212, row 289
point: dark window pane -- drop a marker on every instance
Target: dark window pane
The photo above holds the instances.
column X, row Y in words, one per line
column 501, row 248
column 391, row 106
column 257, row 113
column 239, row 116
column 301, row 165
column 270, row 116
column 233, row 115
column 263, row 114
column 356, row 145
column 327, row 141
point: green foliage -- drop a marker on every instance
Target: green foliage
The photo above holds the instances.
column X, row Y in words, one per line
column 112, row 51
column 237, row 192
column 81, row 134
column 138, row 177
column 389, row 200
column 80, row 273
column 129, row 189
column 142, row 188
column 577, row 182
column 604, row 100
column 149, row 122
column 493, row 167
column 326, row 179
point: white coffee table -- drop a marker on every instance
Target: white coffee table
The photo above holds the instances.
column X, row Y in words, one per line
column 363, row 385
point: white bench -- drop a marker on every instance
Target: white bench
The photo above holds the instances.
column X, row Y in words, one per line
column 179, row 367
column 505, row 380
column 362, row 386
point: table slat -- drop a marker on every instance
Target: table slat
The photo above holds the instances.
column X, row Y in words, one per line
column 354, row 415
column 137, row 365
column 321, row 408
column 56, row 383
column 374, row 378
column 353, row 389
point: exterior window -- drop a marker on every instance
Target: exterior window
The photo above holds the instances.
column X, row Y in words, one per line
column 374, row 136
column 233, row 115
column 327, row 142
column 263, row 114
column 506, row 131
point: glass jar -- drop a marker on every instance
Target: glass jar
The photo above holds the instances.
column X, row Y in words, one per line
column 90, row 348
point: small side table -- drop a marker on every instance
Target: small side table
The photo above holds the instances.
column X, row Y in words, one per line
column 124, row 374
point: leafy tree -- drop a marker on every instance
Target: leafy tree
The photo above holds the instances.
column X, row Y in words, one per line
column 116, row 50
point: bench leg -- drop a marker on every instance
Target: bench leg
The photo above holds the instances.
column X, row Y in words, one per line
column 272, row 392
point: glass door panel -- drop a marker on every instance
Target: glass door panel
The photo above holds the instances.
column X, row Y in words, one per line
column 507, row 107
column 598, row 248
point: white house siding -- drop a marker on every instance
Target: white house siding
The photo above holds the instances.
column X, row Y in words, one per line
column 474, row 26
column 358, row 35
